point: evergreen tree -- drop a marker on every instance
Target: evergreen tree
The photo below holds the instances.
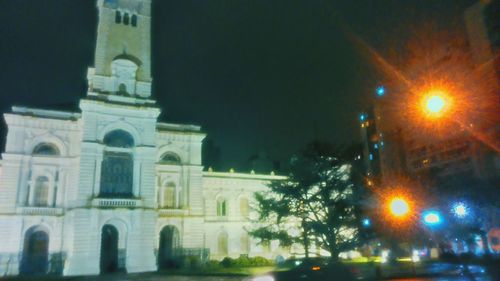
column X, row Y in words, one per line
column 314, row 205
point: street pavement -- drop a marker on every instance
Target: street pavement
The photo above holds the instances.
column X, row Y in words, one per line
column 438, row 271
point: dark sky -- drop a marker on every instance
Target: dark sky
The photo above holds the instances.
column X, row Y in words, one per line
column 256, row 75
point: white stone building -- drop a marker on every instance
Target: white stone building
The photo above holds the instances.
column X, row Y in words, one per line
column 110, row 188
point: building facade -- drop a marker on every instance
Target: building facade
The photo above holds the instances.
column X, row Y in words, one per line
column 111, row 188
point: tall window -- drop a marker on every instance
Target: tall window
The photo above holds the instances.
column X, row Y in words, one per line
column 117, row 165
column 245, row 243
column 118, row 17
column 134, row 20
column 41, row 192
column 169, row 197
column 222, row 247
column 221, row 207
column 126, row 19
column 244, row 207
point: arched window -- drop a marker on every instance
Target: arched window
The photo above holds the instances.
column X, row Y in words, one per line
column 119, row 138
column 35, row 256
column 46, row 149
column 244, row 207
column 169, row 197
column 221, row 207
column 245, row 243
column 170, row 158
column 169, row 245
column 126, row 19
column 117, row 167
column 41, row 192
column 134, row 20
column 118, row 17
column 222, row 245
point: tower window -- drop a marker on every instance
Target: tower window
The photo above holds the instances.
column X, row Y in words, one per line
column 118, row 17
column 126, row 19
column 134, row 20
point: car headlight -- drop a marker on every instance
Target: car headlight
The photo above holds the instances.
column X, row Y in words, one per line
column 263, row 278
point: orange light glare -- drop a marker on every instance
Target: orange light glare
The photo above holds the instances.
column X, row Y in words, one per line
column 316, row 268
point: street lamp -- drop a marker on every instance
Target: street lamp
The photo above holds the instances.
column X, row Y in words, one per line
column 432, row 218
column 399, row 207
column 435, row 103
column 460, row 210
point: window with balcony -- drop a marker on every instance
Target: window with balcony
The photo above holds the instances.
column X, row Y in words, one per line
column 117, row 165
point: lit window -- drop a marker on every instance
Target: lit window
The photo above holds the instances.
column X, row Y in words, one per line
column 244, row 208
column 245, row 243
column 222, row 247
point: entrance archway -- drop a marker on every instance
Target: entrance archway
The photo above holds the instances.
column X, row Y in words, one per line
column 35, row 259
column 109, row 249
column 169, row 243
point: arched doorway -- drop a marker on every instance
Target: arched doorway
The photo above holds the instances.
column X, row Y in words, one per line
column 35, row 258
column 169, row 243
column 109, row 249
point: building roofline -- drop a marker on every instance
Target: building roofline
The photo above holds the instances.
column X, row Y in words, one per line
column 45, row 113
column 165, row 127
column 242, row 176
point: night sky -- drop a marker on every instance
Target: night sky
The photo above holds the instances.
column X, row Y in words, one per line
column 260, row 75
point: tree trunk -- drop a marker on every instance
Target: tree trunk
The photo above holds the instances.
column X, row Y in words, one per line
column 305, row 239
column 306, row 243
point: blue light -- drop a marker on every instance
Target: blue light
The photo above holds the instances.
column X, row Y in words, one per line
column 380, row 91
column 366, row 222
column 460, row 210
column 381, row 143
column 362, row 117
column 432, row 218
column 371, row 156
column 375, row 146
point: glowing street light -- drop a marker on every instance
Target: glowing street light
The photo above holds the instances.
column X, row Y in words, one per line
column 435, row 103
column 399, row 207
column 460, row 210
column 432, row 218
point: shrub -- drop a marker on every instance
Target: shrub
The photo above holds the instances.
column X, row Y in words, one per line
column 227, row 262
column 212, row 264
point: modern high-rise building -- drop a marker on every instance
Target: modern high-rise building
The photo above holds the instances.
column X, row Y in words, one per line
column 111, row 188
